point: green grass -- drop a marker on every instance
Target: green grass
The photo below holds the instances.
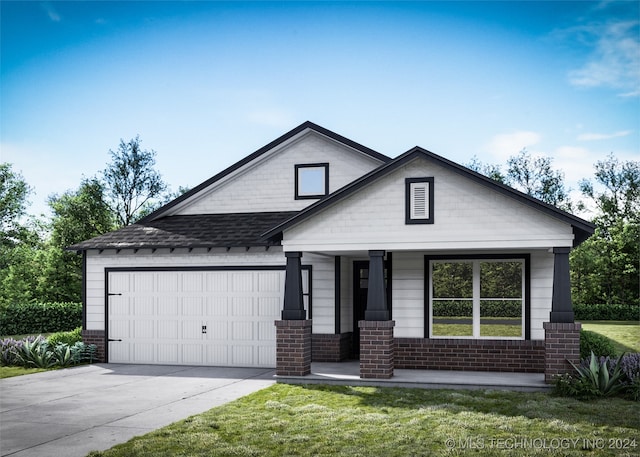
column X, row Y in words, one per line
column 625, row 334
column 285, row 420
column 10, row 372
column 486, row 329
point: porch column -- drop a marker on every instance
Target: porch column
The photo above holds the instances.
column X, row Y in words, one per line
column 561, row 307
column 293, row 308
column 293, row 332
column 376, row 295
column 376, row 330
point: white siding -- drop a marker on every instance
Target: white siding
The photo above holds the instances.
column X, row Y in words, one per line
column 323, row 292
column 467, row 215
column 541, row 291
column 267, row 183
column 346, row 294
column 408, row 294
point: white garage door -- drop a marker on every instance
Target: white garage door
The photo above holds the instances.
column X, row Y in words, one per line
column 217, row 318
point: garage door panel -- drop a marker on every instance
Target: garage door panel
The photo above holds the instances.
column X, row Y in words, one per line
column 217, row 330
column 217, row 281
column 168, row 353
column 192, row 306
column 143, row 306
column 192, row 282
column 269, row 306
column 143, row 283
column 191, row 329
column 266, row 332
column 167, row 281
column 217, row 355
column 143, row 329
column 143, row 352
column 242, row 281
column 242, row 307
column 160, row 317
column 241, row 331
column 192, row 354
column 217, row 306
column 168, row 329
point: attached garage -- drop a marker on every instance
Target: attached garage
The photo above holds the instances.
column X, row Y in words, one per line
column 193, row 316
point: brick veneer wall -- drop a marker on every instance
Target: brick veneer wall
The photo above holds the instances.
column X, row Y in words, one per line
column 330, row 348
column 470, row 355
column 293, row 347
column 562, row 343
column 376, row 349
column 95, row 337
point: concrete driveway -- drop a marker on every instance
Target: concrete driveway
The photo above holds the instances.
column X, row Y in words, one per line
column 73, row 411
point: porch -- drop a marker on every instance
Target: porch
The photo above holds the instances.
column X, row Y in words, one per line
column 348, row 373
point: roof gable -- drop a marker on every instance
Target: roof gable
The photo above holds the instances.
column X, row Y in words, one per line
column 304, row 128
column 581, row 228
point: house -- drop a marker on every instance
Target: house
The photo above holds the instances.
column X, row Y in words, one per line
column 412, row 262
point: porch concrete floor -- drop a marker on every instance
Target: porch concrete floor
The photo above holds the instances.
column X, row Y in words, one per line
column 347, row 373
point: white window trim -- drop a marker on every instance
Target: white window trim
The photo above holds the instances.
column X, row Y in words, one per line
column 476, row 299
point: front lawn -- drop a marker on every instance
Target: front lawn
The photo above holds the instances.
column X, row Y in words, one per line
column 10, row 372
column 625, row 334
column 365, row 421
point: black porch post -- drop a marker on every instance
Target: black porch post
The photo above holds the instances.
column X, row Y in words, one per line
column 376, row 295
column 561, row 307
column 293, row 308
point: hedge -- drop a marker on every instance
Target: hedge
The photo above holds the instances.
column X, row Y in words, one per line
column 600, row 345
column 35, row 318
column 603, row 312
column 497, row 308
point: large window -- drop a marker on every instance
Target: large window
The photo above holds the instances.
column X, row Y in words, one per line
column 477, row 298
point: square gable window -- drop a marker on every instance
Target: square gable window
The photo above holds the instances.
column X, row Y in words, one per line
column 312, row 180
column 419, row 201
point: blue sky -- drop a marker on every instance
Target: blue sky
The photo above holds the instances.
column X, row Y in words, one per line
column 206, row 83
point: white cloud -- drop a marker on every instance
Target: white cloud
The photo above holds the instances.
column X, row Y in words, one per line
column 615, row 60
column 51, row 12
column 505, row 145
column 603, row 136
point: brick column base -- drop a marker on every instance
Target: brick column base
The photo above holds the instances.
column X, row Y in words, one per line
column 561, row 344
column 95, row 337
column 293, row 347
column 376, row 349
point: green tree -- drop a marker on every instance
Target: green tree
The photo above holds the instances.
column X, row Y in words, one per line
column 489, row 170
column 131, row 181
column 536, row 177
column 616, row 193
column 20, row 240
column 77, row 216
column 14, row 192
column 533, row 176
column 605, row 268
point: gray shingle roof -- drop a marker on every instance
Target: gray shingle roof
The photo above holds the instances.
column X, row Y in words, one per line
column 195, row 231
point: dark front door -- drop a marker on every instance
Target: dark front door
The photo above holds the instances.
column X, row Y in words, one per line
column 360, row 291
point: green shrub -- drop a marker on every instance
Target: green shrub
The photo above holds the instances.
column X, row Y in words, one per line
column 591, row 342
column 69, row 338
column 594, row 377
column 33, row 318
column 489, row 308
column 603, row 312
column 35, row 354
